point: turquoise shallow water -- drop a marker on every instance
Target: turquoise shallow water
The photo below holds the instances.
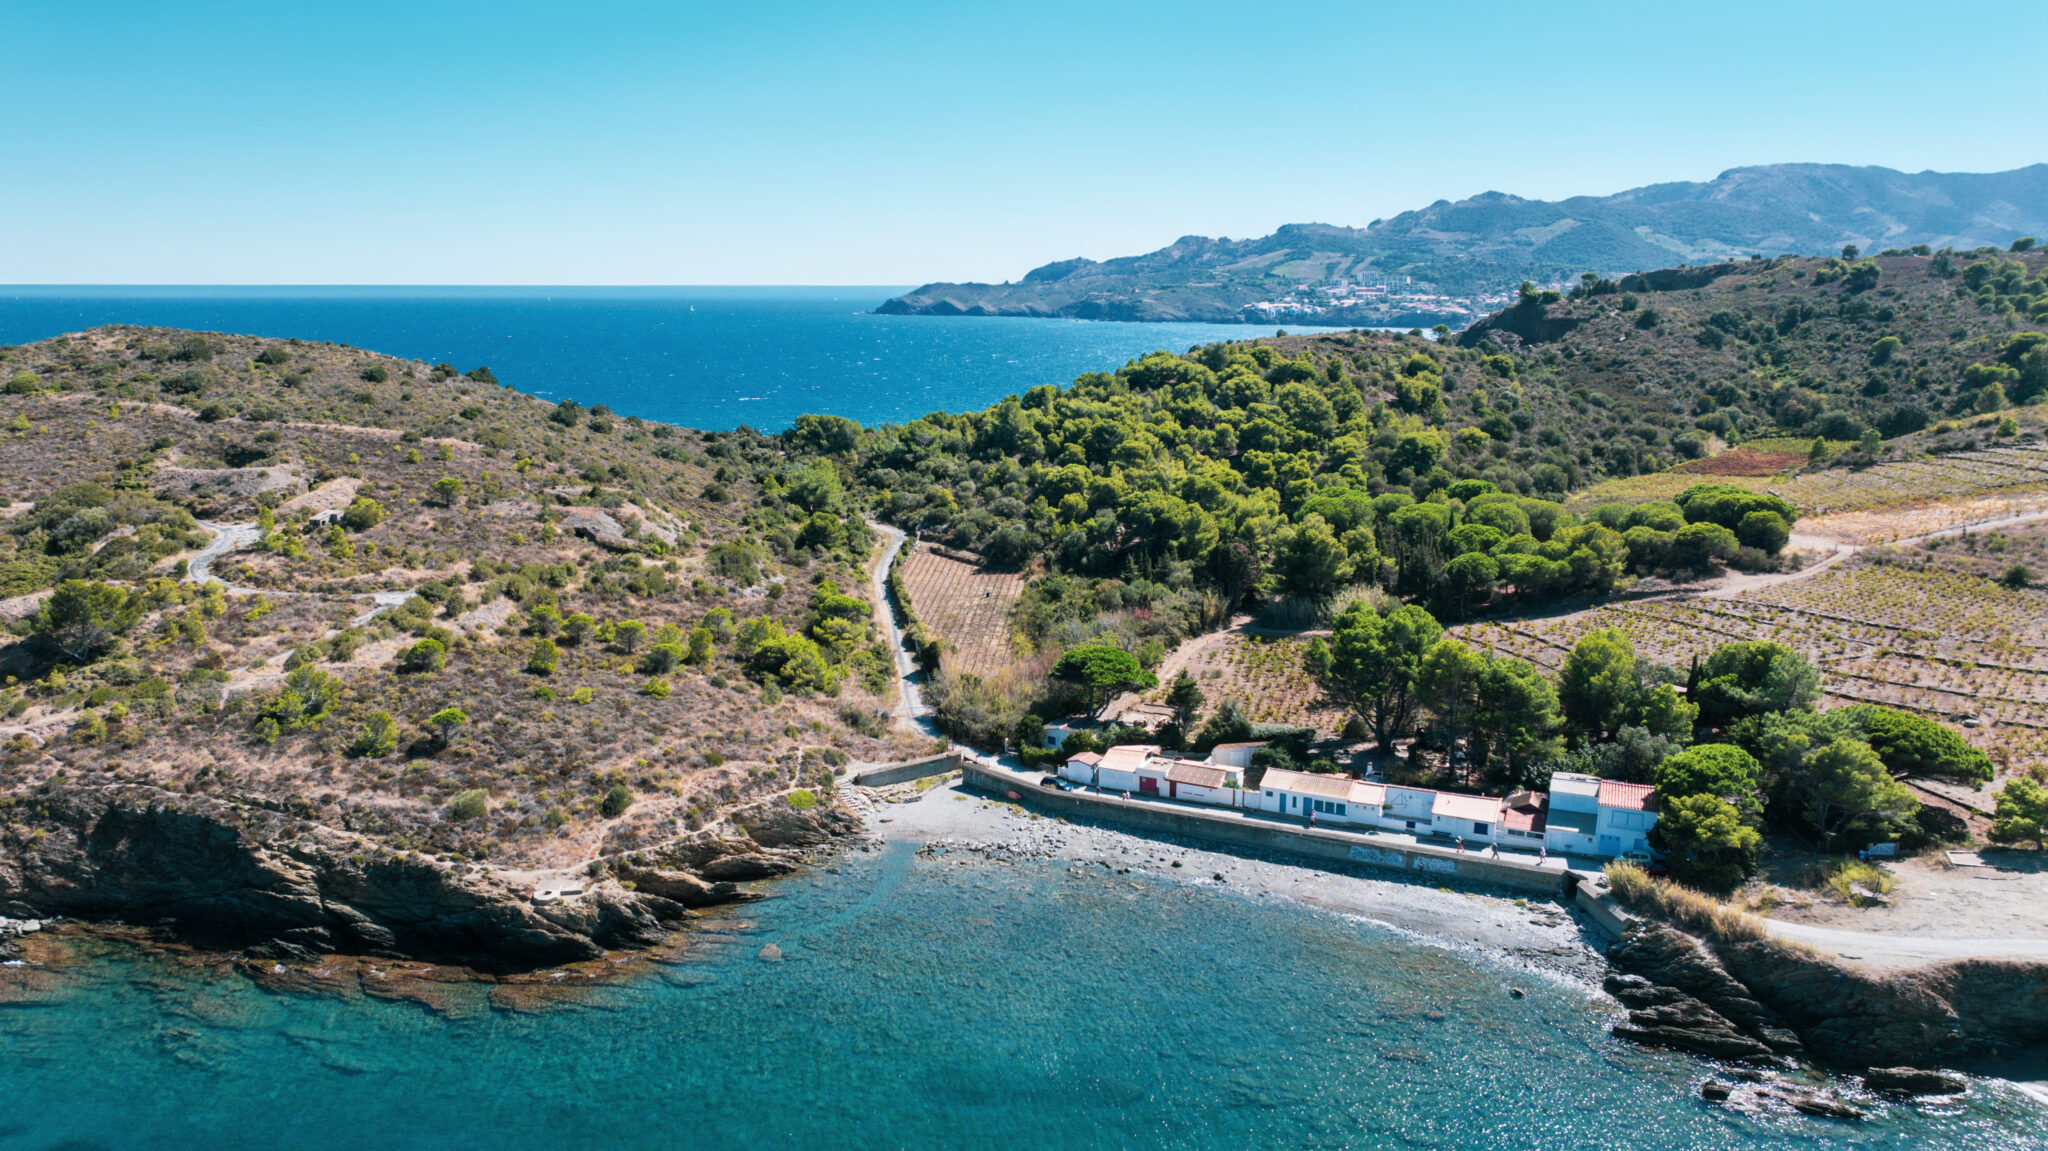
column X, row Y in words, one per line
column 920, row 1004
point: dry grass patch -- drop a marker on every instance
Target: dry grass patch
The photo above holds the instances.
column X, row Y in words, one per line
column 1694, row 910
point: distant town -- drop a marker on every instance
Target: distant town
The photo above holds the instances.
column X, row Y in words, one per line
column 1380, row 302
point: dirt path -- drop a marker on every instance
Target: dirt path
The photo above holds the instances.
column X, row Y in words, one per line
column 233, row 537
column 1887, row 950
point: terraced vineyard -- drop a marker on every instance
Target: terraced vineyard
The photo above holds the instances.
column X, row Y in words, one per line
column 1266, row 678
column 1946, row 643
column 2007, row 468
column 968, row 606
column 2020, row 465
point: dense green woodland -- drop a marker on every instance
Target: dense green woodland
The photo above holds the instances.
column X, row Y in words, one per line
column 1387, row 483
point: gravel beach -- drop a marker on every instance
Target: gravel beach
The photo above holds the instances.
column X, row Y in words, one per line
column 1539, row 935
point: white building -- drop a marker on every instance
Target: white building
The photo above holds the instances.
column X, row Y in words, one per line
column 1116, row 769
column 1408, row 809
column 1523, row 818
column 1627, row 813
column 1203, row 783
column 1593, row 816
column 1470, row 818
column 1238, row 755
column 1333, row 799
column 1574, row 817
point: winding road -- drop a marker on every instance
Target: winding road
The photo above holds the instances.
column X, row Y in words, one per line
column 908, row 678
column 234, row 537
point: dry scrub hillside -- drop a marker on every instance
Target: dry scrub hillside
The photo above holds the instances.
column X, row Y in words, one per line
column 524, row 529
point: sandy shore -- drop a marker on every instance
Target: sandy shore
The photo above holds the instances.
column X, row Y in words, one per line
column 1541, row 936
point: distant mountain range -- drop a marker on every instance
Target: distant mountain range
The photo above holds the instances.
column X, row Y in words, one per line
column 1455, row 261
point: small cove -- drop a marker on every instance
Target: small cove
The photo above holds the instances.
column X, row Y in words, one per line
column 921, row 1002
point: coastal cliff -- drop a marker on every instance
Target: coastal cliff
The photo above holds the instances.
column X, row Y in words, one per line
column 221, row 874
column 1755, row 999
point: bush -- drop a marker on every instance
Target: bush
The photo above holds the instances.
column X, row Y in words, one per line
column 662, row 658
column 803, row 799
column 376, row 373
column 544, row 658
column 379, row 736
column 363, row 514
column 615, row 801
column 468, row 805
column 656, row 688
column 427, row 655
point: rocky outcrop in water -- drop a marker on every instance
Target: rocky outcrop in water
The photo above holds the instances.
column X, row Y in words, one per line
column 222, row 874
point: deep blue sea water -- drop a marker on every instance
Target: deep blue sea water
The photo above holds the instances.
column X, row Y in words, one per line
column 701, row 357
column 921, row 1004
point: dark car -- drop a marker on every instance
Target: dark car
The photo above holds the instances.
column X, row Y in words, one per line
column 1056, row 783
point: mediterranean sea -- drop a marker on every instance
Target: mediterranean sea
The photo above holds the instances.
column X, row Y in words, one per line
column 920, row 1003
column 711, row 358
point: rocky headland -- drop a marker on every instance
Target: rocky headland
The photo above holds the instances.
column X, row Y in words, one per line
column 266, row 883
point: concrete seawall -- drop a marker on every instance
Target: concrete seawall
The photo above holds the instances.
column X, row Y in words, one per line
column 905, row 772
column 1236, row 831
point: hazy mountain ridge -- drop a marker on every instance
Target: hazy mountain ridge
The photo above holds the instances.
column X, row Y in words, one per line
column 1453, row 261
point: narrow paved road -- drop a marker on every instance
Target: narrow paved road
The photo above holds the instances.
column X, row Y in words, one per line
column 912, row 710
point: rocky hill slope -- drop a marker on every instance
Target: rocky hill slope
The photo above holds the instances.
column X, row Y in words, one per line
column 470, row 645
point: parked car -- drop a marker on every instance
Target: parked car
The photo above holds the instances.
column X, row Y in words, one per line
column 1646, row 861
column 1054, row 782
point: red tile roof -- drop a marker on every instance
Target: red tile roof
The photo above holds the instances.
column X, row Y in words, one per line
column 1626, row 796
column 1526, row 817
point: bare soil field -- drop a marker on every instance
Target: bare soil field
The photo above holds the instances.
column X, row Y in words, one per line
column 968, row 606
column 1742, row 462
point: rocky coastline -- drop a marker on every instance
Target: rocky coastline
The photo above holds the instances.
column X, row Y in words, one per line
column 217, row 874
column 1764, row 1005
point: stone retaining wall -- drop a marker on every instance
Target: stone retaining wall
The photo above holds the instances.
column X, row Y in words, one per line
column 1236, row 831
column 905, row 772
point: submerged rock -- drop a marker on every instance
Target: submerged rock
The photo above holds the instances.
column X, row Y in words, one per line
column 1715, row 1091
column 1819, row 1104
column 1914, row 1081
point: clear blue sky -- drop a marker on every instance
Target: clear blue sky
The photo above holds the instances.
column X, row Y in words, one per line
column 781, row 142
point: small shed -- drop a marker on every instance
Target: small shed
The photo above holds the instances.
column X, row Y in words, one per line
column 1238, row 755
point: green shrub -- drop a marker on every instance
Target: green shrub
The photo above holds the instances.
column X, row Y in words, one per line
column 468, row 805
column 803, row 799
column 657, row 688
column 544, row 658
column 426, row 655
column 615, row 801
column 363, row 514
column 379, row 736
